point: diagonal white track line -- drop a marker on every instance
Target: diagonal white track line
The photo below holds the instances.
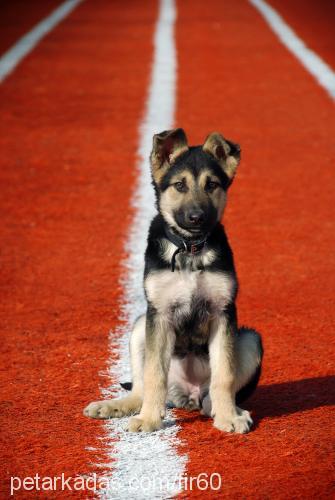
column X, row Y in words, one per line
column 145, row 465
column 28, row 42
column 323, row 73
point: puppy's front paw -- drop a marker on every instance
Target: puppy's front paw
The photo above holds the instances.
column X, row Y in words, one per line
column 101, row 409
column 113, row 408
column 137, row 424
column 239, row 423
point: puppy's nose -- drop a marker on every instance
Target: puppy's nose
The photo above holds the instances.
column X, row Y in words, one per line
column 196, row 217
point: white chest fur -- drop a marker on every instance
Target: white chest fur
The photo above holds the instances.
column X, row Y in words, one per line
column 166, row 290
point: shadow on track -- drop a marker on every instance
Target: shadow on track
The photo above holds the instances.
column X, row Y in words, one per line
column 285, row 398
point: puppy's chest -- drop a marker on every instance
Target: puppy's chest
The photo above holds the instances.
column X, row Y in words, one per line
column 183, row 295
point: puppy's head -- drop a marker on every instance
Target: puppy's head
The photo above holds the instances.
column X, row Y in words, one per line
column 191, row 182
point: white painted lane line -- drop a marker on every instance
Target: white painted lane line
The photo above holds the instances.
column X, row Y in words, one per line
column 28, row 42
column 321, row 71
column 145, row 466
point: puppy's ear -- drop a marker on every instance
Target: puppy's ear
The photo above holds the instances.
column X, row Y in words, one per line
column 226, row 153
column 167, row 146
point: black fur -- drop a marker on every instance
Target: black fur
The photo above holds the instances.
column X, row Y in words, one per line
column 217, row 240
column 194, row 160
column 245, row 392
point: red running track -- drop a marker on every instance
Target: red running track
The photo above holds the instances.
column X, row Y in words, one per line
column 16, row 19
column 280, row 219
column 313, row 22
column 69, row 132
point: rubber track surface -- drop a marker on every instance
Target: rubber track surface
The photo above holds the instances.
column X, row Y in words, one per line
column 69, row 132
column 236, row 77
column 68, row 136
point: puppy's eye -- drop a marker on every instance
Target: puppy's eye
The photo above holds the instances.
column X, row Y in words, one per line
column 211, row 186
column 180, row 186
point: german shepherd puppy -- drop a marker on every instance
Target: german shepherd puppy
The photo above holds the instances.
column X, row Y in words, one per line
column 187, row 349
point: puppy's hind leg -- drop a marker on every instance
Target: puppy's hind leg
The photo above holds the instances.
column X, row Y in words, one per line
column 131, row 404
column 249, row 354
column 179, row 398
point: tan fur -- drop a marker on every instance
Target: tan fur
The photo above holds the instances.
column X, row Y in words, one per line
column 227, row 416
column 204, row 176
column 216, row 145
column 167, row 146
column 178, row 151
column 171, row 199
column 218, row 196
column 184, row 175
column 247, row 357
column 159, row 347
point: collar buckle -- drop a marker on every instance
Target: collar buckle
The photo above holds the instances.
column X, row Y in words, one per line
column 194, row 248
column 183, row 246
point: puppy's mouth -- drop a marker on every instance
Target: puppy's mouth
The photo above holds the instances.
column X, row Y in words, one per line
column 194, row 230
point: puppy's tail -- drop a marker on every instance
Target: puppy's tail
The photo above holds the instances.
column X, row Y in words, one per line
column 126, row 385
column 249, row 355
